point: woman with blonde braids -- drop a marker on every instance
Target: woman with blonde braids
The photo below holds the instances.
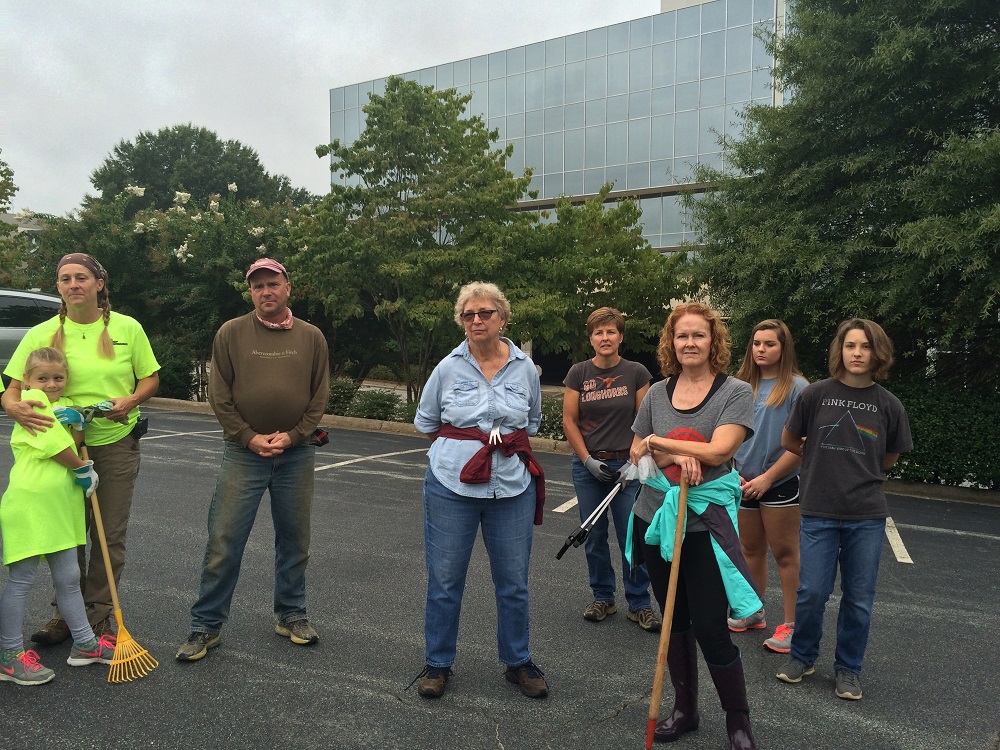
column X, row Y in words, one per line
column 111, row 360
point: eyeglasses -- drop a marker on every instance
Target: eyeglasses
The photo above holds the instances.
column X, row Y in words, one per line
column 484, row 315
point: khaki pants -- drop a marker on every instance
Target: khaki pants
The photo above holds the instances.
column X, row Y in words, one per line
column 117, row 465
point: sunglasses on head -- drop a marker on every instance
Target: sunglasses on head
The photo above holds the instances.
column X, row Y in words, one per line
column 484, row 315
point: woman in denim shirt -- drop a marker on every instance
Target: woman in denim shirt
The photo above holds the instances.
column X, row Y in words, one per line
column 479, row 406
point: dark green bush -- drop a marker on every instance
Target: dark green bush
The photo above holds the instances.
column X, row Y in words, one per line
column 954, row 433
column 552, row 426
column 406, row 411
column 342, row 390
column 375, row 404
column 176, row 368
column 382, row 372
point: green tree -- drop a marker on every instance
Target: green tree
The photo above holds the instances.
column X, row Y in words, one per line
column 871, row 192
column 427, row 209
column 7, row 187
column 178, row 271
column 19, row 257
column 188, row 159
column 593, row 256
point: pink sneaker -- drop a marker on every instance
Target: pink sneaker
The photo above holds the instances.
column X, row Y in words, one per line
column 756, row 621
column 101, row 652
column 781, row 641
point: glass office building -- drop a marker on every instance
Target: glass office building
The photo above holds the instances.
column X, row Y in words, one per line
column 638, row 103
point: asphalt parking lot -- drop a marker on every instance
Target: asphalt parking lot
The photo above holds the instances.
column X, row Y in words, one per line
column 930, row 676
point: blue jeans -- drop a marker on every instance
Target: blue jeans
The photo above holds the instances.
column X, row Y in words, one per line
column 451, row 522
column 589, row 493
column 243, row 477
column 857, row 545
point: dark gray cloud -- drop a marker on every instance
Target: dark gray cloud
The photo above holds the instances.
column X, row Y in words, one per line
column 80, row 77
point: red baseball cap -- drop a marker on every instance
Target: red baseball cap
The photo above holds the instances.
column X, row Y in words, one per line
column 269, row 264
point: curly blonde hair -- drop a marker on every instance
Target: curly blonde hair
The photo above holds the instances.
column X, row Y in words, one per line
column 719, row 353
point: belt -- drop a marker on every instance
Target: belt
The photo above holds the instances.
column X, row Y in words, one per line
column 610, row 455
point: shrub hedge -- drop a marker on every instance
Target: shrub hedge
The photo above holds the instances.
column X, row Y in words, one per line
column 954, row 433
column 176, row 369
column 954, row 429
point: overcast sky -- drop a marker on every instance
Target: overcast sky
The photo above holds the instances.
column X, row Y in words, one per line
column 79, row 77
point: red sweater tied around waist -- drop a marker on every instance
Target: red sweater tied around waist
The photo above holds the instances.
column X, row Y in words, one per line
column 478, row 468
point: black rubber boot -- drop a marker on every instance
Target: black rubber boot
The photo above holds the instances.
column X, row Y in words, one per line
column 682, row 662
column 732, row 687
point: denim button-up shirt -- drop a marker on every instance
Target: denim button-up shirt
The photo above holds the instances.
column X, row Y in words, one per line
column 457, row 393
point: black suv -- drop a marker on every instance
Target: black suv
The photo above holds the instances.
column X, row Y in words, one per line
column 19, row 311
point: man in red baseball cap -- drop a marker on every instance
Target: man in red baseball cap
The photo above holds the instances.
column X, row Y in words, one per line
column 269, row 388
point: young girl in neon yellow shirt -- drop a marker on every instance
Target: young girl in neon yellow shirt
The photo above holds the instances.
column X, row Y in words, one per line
column 41, row 513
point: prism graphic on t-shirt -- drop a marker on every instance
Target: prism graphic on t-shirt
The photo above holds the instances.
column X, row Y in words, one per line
column 846, row 435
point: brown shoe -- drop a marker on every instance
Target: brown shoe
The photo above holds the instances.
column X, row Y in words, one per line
column 104, row 627
column 432, row 681
column 53, row 632
column 597, row 610
column 645, row 619
column 529, row 678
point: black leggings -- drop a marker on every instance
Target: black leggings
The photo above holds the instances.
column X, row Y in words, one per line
column 701, row 600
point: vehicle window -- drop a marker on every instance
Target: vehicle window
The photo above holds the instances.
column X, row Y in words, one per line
column 45, row 309
column 18, row 312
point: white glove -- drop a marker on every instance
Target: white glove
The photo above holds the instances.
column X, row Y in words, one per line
column 70, row 416
column 86, row 477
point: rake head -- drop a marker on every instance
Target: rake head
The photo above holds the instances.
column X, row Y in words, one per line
column 131, row 661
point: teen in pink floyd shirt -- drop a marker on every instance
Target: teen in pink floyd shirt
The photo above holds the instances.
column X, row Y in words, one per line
column 849, row 431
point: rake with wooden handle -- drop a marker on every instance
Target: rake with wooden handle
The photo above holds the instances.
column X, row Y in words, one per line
column 668, row 617
column 131, row 660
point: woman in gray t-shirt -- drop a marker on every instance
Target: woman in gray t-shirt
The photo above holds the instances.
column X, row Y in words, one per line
column 600, row 399
column 693, row 423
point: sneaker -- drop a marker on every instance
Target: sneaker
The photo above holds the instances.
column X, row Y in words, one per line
column 598, row 610
column 756, row 621
column 197, row 646
column 432, row 681
column 646, row 619
column 300, row 632
column 529, row 678
column 53, row 632
column 781, row 641
column 100, row 651
column 848, row 685
column 24, row 668
column 794, row 670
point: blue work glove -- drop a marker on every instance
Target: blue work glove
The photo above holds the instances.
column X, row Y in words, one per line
column 86, row 477
column 70, row 416
column 600, row 469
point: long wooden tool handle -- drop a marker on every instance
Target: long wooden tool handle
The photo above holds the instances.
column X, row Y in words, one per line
column 99, row 525
column 668, row 617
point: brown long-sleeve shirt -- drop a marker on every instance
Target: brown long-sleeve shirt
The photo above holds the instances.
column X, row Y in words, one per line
column 266, row 380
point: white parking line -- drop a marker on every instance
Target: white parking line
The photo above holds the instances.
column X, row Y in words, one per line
column 369, row 458
column 956, row 532
column 147, row 438
column 571, row 503
column 896, row 542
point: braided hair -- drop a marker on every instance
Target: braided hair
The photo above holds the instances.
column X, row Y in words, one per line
column 105, row 347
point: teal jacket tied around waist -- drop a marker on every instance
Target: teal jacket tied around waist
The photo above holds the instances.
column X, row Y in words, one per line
column 717, row 502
